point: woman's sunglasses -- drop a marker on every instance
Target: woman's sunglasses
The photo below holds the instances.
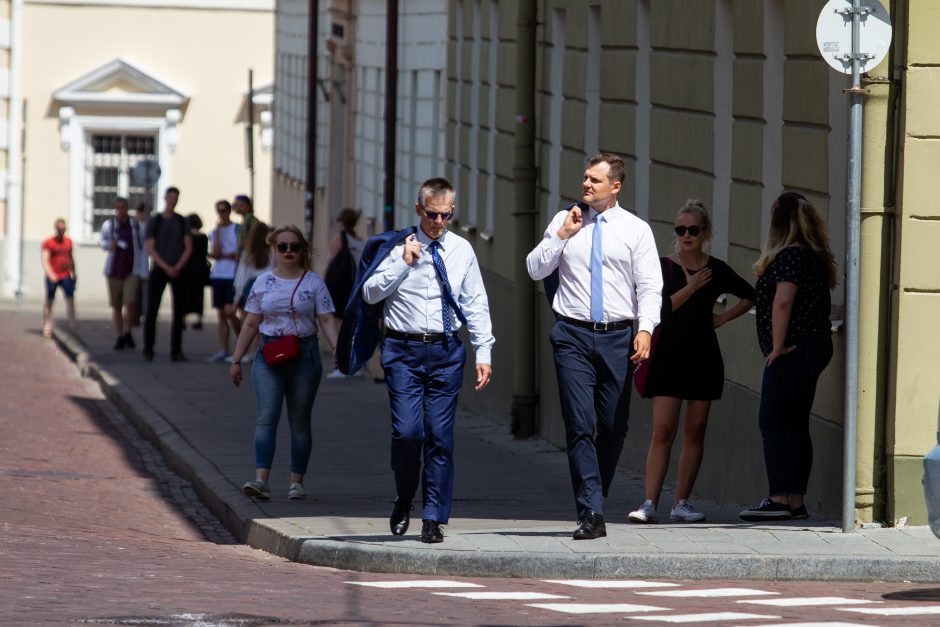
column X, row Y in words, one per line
column 283, row 247
column 693, row 230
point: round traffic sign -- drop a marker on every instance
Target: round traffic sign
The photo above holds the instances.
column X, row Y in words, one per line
column 834, row 34
column 146, row 172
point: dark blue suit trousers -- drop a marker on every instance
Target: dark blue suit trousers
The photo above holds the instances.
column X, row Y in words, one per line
column 594, row 377
column 423, row 381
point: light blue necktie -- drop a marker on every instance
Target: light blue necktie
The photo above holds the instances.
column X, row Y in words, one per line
column 447, row 297
column 597, row 271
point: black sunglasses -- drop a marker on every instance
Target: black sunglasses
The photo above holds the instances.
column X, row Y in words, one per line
column 693, row 230
column 294, row 247
column 434, row 215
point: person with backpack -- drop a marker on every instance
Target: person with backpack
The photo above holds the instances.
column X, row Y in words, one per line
column 121, row 237
column 169, row 245
column 345, row 250
column 429, row 285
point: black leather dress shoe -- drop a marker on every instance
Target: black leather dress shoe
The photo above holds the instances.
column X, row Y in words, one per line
column 431, row 532
column 398, row 521
column 178, row 357
column 590, row 527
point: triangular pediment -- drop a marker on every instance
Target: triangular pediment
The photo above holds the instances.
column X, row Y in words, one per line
column 119, row 82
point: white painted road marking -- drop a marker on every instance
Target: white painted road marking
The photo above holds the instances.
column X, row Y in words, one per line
column 428, row 583
column 807, row 601
column 704, row 619
column 502, row 596
column 894, row 611
column 823, row 624
column 597, row 608
column 710, row 593
column 611, row 583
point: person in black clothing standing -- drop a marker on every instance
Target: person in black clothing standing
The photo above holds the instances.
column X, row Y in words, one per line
column 195, row 274
column 169, row 245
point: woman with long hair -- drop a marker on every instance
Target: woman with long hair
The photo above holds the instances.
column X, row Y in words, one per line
column 687, row 365
column 288, row 300
column 795, row 273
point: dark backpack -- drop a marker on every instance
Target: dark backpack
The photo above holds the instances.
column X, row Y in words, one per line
column 340, row 275
column 361, row 330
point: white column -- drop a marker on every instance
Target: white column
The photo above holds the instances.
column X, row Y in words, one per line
column 13, row 281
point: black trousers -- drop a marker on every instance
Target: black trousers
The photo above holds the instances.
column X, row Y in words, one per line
column 155, row 285
column 594, row 378
column 786, row 400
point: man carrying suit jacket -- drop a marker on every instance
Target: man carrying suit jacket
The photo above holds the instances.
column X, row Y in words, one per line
column 431, row 285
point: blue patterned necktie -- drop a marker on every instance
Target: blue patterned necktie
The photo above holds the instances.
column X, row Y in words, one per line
column 447, row 297
column 597, row 271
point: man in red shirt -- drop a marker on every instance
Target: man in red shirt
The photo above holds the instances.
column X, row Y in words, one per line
column 59, row 266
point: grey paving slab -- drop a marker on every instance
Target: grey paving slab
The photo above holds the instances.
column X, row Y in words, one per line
column 513, row 512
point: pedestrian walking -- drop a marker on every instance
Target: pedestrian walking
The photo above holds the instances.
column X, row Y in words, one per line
column 243, row 206
column 142, row 216
column 288, row 305
column 345, row 250
column 59, row 267
column 431, row 285
column 608, row 276
column 686, row 364
column 170, row 245
column 795, row 273
column 223, row 243
column 195, row 273
column 123, row 239
column 253, row 262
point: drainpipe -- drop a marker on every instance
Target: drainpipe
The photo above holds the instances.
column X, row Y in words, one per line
column 391, row 113
column 310, row 174
column 524, row 398
column 13, row 283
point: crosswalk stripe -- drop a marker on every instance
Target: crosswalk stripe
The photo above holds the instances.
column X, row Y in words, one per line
column 704, row 619
column 894, row 611
column 597, row 608
column 815, row 624
column 502, row 596
column 427, row 583
column 807, row 601
column 709, row 592
column 611, row 583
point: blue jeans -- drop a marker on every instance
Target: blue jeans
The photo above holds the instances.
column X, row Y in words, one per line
column 786, row 400
column 296, row 382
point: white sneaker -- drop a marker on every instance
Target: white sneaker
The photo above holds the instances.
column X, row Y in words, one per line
column 296, row 492
column 645, row 514
column 683, row 512
column 219, row 356
column 257, row 489
column 336, row 374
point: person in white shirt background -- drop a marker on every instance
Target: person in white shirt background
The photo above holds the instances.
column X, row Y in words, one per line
column 609, row 276
column 223, row 249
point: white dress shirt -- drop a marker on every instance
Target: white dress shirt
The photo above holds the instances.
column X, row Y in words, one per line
column 412, row 294
column 633, row 280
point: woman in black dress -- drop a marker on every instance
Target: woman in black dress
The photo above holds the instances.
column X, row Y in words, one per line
column 687, row 362
column 195, row 274
column 795, row 274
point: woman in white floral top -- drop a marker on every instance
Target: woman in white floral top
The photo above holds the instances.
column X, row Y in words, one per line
column 270, row 313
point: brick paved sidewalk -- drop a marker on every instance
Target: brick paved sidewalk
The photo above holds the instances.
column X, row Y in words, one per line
column 513, row 512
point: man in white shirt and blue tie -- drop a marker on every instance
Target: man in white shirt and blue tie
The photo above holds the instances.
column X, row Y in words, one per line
column 608, row 276
column 431, row 286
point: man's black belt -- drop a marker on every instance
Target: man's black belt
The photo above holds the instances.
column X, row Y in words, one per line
column 427, row 338
column 598, row 327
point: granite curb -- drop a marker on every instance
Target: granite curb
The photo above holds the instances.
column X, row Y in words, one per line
column 285, row 539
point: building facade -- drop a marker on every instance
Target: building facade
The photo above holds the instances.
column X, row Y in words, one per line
column 102, row 86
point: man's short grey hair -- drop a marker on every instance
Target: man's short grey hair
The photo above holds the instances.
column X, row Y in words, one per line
column 434, row 188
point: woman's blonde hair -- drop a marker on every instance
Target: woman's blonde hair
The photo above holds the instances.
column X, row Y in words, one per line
column 305, row 261
column 696, row 207
column 256, row 245
column 794, row 221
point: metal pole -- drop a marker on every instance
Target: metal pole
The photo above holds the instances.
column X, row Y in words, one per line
column 391, row 113
column 310, row 175
column 524, row 398
column 250, row 134
column 852, row 278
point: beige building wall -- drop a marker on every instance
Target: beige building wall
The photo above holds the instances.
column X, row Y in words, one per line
column 722, row 100
column 203, row 53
